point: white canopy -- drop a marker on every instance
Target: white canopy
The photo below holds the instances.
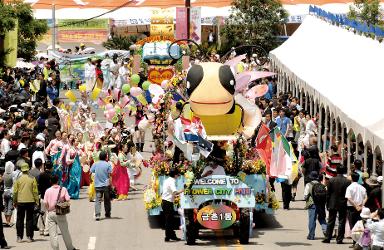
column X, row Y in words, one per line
column 342, row 71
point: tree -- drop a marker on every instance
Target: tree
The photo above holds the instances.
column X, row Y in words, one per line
column 30, row 30
column 366, row 11
column 254, row 22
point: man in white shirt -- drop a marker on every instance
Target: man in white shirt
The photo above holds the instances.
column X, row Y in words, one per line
column 213, row 168
column 5, row 145
column 168, row 197
column 123, row 75
column 377, row 229
column 89, row 74
column 357, row 197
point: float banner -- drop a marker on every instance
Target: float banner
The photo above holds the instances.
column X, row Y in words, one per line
column 195, row 22
column 216, row 216
column 181, row 23
column 158, row 74
column 218, row 187
column 95, row 30
column 162, row 23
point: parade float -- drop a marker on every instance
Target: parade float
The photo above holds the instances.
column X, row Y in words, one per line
column 215, row 121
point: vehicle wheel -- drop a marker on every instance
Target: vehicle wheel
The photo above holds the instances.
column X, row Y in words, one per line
column 244, row 226
column 191, row 229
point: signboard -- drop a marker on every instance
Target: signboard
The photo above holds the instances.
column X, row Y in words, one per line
column 216, row 216
column 195, row 23
column 218, row 187
column 162, row 23
column 95, row 30
column 158, row 74
column 181, row 23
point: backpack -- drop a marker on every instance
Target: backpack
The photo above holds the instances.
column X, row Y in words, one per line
column 319, row 193
column 366, row 239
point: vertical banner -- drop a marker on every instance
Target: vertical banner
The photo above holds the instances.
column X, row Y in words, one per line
column 195, row 24
column 181, row 23
column 10, row 42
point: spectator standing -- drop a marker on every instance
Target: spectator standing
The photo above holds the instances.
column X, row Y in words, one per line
column 337, row 205
column 102, row 170
column 51, row 197
column 357, row 197
column 315, row 197
column 311, row 163
column 3, row 242
column 8, row 192
column 25, row 197
column 43, row 183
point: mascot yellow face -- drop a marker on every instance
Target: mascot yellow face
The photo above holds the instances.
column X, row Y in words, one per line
column 211, row 87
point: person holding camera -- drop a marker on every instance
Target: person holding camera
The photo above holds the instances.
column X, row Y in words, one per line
column 52, row 196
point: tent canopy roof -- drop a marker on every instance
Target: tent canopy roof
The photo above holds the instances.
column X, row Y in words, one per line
column 341, row 70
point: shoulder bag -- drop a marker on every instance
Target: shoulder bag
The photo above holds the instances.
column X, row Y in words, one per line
column 62, row 207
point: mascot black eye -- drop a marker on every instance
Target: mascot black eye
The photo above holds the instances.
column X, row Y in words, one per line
column 194, row 77
column 227, row 79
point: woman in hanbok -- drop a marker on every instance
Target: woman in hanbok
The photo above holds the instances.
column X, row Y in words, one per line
column 134, row 165
column 120, row 179
column 85, row 176
column 71, row 169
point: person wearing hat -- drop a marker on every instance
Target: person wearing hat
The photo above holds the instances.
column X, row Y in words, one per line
column 25, row 198
column 375, row 195
column 315, row 198
column 358, row 230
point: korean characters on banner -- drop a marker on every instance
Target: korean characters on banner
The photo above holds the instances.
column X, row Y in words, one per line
column 162, row 23
column 217, row 216
column 158, row 74
column 195, row 24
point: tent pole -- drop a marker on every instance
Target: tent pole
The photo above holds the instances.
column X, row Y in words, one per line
column 301, row 98
column 337, row 130
column 349, row 152
column 188, row 7
column 365, row 157
column 331, row 129
column 319, row 128
column 53, row 27
column 374, row 162
column 325, row 130
column 342, row 142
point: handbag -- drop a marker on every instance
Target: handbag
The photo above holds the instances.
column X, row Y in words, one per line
column 62, row 207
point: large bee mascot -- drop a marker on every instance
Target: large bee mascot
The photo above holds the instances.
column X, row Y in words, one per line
column 216, row 96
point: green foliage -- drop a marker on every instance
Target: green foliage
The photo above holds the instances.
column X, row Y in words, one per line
column 7, row 19
column 120, row 42
column 30, row 30
column 254, row 22
column 366, row 11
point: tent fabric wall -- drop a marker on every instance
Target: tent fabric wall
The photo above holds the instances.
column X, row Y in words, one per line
column 340, row 69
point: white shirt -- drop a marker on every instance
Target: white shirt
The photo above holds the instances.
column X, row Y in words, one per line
column 311, row 128
column 377, row 229
column 4, row 147
column 37, row 155
column 355, row 192
column 219, row 170
column 169, row 188
column 21, row 145
column 89, row 70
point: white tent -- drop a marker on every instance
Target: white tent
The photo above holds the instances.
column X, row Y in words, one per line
column 342, row 71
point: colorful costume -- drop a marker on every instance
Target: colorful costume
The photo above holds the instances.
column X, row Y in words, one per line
column 120, row 179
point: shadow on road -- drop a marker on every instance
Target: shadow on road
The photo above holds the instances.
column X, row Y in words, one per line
column 265, row 221
column 290, row 244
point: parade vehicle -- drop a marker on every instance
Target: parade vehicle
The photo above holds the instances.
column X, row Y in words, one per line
column 215, row 126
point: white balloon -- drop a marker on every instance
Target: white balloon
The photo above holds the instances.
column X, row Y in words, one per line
column 156, row 90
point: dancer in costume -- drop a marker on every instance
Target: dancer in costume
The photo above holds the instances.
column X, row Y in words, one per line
column 120, row 179
column 135, row 162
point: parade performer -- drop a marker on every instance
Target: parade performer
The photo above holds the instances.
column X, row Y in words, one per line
column 135, row 162
column 120, row 178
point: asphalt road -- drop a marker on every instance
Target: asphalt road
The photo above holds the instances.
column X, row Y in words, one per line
column 131, row 228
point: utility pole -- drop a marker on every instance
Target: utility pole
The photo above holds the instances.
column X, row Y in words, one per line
column 53, row 27
column 188, row 7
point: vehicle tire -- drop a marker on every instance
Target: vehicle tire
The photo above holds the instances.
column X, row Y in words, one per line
column 244, row 226
column 191, row 228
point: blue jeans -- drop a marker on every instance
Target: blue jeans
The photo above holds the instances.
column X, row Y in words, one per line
column 315, row 213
